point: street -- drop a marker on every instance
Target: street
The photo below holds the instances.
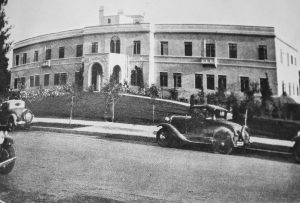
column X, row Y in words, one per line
column 56, row 167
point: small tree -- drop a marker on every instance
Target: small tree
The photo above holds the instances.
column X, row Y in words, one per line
column 4, row 48
column 111, row 92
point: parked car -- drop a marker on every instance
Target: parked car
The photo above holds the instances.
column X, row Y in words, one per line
column 296, row 147
column 205, row 124
column 13, row 113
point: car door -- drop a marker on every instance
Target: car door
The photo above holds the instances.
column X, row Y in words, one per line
column 196, row 124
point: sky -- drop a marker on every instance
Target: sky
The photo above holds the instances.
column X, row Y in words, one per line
column 31, row 18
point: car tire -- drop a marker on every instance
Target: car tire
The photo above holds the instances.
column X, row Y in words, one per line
column 11, row 124
column 296, row 152
column 222, row 141
column 5, row 154
column 164, row 138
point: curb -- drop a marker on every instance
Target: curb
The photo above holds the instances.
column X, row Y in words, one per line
column 98, row 134
column 254, row 145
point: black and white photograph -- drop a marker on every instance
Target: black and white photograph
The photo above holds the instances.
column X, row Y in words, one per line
column 149, row 101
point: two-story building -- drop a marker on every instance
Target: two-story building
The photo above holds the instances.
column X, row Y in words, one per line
column 188, row 57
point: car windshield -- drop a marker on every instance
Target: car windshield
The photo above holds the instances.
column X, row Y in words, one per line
column 207, row 113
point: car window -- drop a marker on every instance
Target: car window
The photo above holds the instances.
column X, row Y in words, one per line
column 198, row 113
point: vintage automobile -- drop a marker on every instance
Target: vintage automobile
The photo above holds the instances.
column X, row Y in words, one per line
column 296, row 148
column 7, row 152
column 205, row 124
column 13, row 113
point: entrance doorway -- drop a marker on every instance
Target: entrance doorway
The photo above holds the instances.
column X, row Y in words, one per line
column 97, row 77
column 116, row 74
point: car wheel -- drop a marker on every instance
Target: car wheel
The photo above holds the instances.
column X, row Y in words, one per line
column 222, row 142
column 5, row 154
column 11, row 125
column 164, row 138
column 296, row 152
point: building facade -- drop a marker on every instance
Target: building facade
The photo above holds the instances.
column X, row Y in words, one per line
column 188, row 57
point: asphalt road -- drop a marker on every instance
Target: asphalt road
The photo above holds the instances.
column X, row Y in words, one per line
column 53, row 167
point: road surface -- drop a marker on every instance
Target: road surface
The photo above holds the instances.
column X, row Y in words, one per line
column 54, row 167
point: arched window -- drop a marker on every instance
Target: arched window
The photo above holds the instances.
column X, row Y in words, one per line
column 115, row 45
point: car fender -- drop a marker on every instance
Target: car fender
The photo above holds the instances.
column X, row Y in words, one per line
column 8, row 141
column 14, row 116
column 174, row 132
column 296, row 139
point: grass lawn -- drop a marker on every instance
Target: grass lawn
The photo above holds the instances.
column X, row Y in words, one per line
column 131, row 109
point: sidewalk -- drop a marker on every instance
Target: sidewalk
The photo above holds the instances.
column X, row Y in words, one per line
column 141, row 132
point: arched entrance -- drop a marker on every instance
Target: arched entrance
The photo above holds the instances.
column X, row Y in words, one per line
column 97, row 74
column 116, row 74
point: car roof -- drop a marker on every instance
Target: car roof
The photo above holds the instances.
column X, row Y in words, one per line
column 14, row 101
column 211, row 107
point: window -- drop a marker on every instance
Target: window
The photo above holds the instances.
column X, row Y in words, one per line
column 164, row 48
column 23, row 81
column 281, row 56
column 210, row 82
column 37, row 80
column 79, row 50
column 137, row 47
column 163, row 79
column 137, row 77
column 56, row 79
column 292, row 59
column 24, row 58
column 63, row 78
column 36, row 56
column 198, row 81
column 244, row 84
column 288, row 59
column 115, row 45
column 48, row 54
column 17, row 60
column 46, row 79
column 262, row 52
column 16, row 82
column 108, row 20
column 95, row 47
column 31, row 81
column 222, row 83
column 61, row 52
column 188, row 49
column 295, row 61
column 232, row 50
column 60, row 78
column 263, row 83
column 210, row 50
column 177, row 79
column 78, row 79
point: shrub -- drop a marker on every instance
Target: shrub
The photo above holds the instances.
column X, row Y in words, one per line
column 173, row 94
column 153, row 91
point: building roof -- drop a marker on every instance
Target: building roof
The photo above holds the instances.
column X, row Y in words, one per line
column 157, row 28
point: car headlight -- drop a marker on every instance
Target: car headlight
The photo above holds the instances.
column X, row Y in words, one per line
column 28, row 117
column 167, row 119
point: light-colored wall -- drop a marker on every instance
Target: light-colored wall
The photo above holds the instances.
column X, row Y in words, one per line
column 233, row 73
column 287, row 72
column 247, row 46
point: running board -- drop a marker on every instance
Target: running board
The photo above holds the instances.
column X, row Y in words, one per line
column 8, row 161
